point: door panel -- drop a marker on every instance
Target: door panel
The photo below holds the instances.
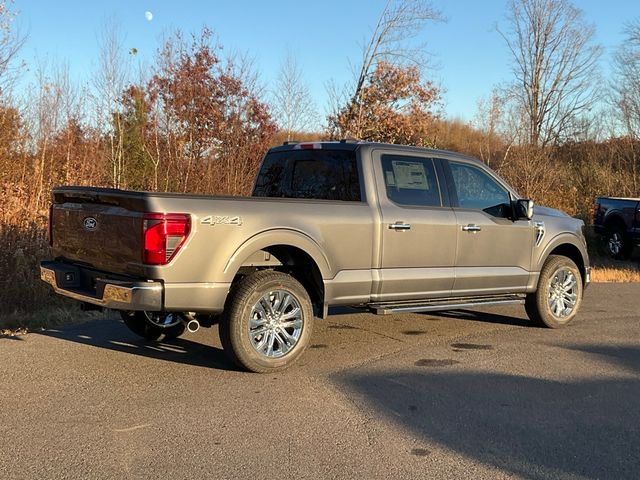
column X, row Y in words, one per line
column 493, row 253
column 418, row 241
column 494, row 259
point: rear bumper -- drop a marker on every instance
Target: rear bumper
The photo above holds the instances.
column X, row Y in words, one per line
column 87, row 286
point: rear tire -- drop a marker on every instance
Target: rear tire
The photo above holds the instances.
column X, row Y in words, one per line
column 557, row 300
column 617, row 243
column 267, row 322
column 139, row 323
column 175, row 331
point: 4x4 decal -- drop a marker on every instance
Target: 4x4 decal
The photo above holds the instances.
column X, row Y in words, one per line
column 221, row 220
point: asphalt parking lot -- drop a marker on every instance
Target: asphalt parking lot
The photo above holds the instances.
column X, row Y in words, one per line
column 450, row 395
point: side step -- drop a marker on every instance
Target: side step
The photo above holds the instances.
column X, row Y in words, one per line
column 445, row 304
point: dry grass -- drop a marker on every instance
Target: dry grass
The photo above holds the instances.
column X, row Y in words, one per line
column 607, row 274
column 608, row 270
column 12, row 332
column 20, row 322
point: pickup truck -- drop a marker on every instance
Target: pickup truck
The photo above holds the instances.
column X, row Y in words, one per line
column 388, row 228
column 617, row 220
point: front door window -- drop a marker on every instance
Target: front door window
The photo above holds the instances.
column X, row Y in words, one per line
column 478, row 190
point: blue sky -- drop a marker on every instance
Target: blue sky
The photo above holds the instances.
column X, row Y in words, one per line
column 324, row 36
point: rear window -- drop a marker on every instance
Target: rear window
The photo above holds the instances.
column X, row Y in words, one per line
column 313, row 174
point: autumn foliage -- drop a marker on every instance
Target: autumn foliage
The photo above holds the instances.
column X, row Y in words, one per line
column 195, row 126
column 394, row 106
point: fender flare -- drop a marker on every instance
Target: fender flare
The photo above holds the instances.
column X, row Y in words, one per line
column 562, row 239
column 278, row 236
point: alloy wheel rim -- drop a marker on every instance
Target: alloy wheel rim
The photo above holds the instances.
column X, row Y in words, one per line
column 275, row 324
column 563, row 293
column 615, row 243
column 162, row 319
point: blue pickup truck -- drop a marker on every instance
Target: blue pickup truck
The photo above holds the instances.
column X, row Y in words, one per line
column 618, row 221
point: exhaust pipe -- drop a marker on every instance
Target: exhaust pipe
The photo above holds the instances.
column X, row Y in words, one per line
column 193, row 325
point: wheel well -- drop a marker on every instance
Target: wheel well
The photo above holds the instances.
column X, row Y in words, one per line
column 614, row 221
column 301, row 266
column 572, row 252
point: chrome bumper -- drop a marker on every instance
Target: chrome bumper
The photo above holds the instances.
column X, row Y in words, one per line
column 115, row 294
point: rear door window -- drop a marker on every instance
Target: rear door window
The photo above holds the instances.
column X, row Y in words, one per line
column 312, row 174
column 411, row 180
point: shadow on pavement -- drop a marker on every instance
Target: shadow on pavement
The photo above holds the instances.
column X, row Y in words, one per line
column 114, row 335
column 479, row 316
column 530, row 427
column 624, row 356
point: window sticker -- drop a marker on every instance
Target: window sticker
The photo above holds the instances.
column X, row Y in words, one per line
column 391, row 180
column 410, row 175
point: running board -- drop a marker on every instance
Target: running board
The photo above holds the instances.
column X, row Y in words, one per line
column 448, row 304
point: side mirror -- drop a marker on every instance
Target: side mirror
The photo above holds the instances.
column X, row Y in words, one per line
column 523, row 209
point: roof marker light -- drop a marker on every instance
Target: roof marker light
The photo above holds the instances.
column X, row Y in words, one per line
column 308, row 146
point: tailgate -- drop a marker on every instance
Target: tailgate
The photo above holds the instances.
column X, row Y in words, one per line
column 101, row 228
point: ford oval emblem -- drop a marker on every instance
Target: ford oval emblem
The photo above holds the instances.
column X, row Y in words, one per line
column 90, row 223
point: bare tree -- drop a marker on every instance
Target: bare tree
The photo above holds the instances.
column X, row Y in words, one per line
column 401, row 22
column 489, row 120
column 11, row 42
column 109, row 82
column 554, row 64
column 626, row 95
column 394, row 40
column 626, row 83
column 45, row 121
column 292, row 103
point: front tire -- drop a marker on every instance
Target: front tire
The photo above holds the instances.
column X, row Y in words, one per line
column 267, row 322
column 557, row 300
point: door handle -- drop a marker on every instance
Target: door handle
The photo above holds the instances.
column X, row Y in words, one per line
column 400, row 226
column 471, row 228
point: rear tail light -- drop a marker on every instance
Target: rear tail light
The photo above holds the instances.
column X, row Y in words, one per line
column 51, row 225
column 163, row 234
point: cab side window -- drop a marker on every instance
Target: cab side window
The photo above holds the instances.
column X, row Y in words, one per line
column 411, row 180
column 311, row 174
column 476, row 189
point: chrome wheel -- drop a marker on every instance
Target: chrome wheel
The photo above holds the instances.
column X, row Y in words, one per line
column 563, row 293
column 615, row 244
column 276, row 323
column 162, row 319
